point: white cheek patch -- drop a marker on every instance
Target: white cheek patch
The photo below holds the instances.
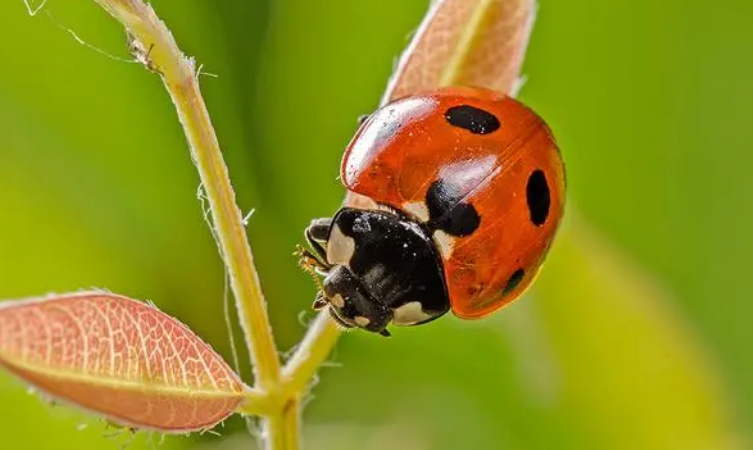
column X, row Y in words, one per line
column 359, row 201
column 445, row 243
column 418, row 209
column 338, row 301
column 410, row 314
column 362, row 321
column 340, row 248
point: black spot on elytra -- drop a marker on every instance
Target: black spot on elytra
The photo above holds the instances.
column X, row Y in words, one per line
column 537, row 195
column 513, row 281
column 447, row 213
column 473, row 119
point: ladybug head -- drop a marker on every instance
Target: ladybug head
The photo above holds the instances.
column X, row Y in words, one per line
column 350, row 303
column 380, row 267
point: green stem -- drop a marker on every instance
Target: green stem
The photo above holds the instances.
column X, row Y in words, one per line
column 316, row 346
column 154, row 45
column 229, row 230
column 283, row 428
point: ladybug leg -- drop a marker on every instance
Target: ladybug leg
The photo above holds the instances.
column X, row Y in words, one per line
column 319, row 253
column 319, row 302
column 316, row 233
column 319, row 229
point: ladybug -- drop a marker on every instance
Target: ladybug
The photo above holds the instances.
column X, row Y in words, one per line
column 463, row 191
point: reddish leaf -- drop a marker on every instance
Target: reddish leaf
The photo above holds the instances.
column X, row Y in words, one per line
column 120, row 358
column 466, row 42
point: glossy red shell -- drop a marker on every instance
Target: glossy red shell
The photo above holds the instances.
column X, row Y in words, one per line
column 409, row 144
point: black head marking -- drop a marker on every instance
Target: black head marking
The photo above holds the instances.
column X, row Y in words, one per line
column 447, row 213
column 513, row 281
column 473, row 119
column 537, row 195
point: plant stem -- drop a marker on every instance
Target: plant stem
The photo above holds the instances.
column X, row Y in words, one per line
column 282, row 430
column 315, row 347
column 230, row 232
column 153, row 44
column 257, row 403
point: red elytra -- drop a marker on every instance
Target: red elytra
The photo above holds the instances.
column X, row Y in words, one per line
column 490, row 153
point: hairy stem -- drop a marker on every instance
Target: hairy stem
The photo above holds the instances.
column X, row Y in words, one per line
column 316, row 346
column 230, row 232
column 153, row 44
column 283, row 428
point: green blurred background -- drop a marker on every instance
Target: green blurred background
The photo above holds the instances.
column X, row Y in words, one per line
column 638, row 335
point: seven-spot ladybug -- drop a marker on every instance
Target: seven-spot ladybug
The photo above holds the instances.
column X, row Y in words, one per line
column 466, row 189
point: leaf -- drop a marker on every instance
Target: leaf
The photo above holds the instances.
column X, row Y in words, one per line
column 466, row 42
column 120, row 358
